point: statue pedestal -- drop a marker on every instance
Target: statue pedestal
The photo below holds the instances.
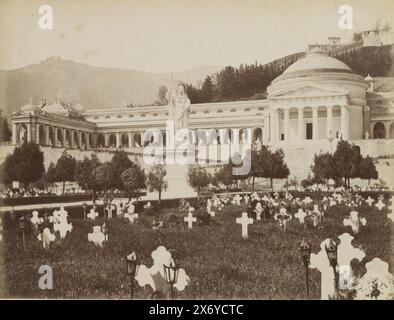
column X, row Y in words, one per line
column 177, row 178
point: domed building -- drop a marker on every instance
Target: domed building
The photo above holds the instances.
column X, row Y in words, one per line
column 317, row 100
column 317, row 97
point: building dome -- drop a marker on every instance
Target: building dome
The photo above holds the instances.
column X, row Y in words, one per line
column 30, row 107
column 316, row 61
column 319, row 74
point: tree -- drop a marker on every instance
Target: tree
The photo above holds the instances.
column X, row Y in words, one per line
column 198, row 178
column 156, row 180
column 25, row 164
column 225, row 175
column 104, row 175
column 207, row 90
column 368, row 170
column 50, row 175
column 277, row 168
column 346, row 161
column 162, row 100
column 134, row 180
column 120, row 162
column 323, row 167
column 5, row 132
column 65, row 168
column 84, row 174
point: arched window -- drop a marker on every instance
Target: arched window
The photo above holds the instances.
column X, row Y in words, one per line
column 379, row 131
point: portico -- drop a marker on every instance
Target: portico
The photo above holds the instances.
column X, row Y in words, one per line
column 316, row 98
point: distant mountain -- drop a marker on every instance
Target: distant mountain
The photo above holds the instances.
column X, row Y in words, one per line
column 93, row 87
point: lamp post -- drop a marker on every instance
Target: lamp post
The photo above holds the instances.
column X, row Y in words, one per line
column 375, row 293
column 84, row 210
column 305, row 251
column 22, row 226
column 131, row 270
column 332, row 254
column 104, row 229
column 171, row 275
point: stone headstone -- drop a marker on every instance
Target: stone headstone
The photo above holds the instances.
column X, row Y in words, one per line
column 97, row 236
column 258, row 210
column 60, row 223
column 354, row 221
column 92, row 214
column 209, row 208
column 237, row 200
column 35, row 219
column 46, row 237
column 190, row 219
column 244, row 221
column 320, row 261
column 380, row 205
column 154, row 275
column 377, row 283
column 300, row 215
column 369, row 201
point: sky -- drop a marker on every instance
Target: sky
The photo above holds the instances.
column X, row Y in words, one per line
column 173, row 35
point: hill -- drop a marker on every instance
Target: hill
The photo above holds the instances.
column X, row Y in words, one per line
column 94, row 87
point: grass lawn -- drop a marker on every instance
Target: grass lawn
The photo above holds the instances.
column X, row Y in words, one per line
column 219, row 262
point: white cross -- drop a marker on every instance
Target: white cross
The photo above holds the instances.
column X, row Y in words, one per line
column 379, row 205
column 258, row 210
column 190, row 219
column 133, row 216
column 354, row 221
column 244, row 221
column 369, row 200
column 300, row 215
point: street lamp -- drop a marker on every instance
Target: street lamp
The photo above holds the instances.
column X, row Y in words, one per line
column 171, row 275
column 22, row 226
column 84, row 210
column 332, row 254
column 131, row 270
column 305, row 251
column 375, row 293
column 104, row 229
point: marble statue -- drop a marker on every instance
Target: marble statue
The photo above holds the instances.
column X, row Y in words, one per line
column 179, row 106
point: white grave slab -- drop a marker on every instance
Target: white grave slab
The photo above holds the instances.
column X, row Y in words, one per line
column 244, row 221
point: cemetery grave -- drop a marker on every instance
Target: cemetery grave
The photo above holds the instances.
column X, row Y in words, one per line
column 218, row 260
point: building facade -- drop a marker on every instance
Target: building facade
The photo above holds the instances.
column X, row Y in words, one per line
column 317, row 98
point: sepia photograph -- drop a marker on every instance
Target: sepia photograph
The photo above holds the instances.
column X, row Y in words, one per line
column 165, row 150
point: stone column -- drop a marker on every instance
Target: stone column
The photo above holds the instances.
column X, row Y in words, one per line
column 301, row 123
column 64, row 138
column 274, row 125
column 14, row 134
column 366, row 123
column 315, row 123
column 118, row 142
column 28, row 132
column 329, row 122
column 87, row 137
column 130, row 135
column 72, row 142
column 387, row 129
column 37, row 133
column 106, row 139
column 266, row 128
column 80, row 139
column 286, row 123
column 34, row 132
column 47, row 139
column 344, row 122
